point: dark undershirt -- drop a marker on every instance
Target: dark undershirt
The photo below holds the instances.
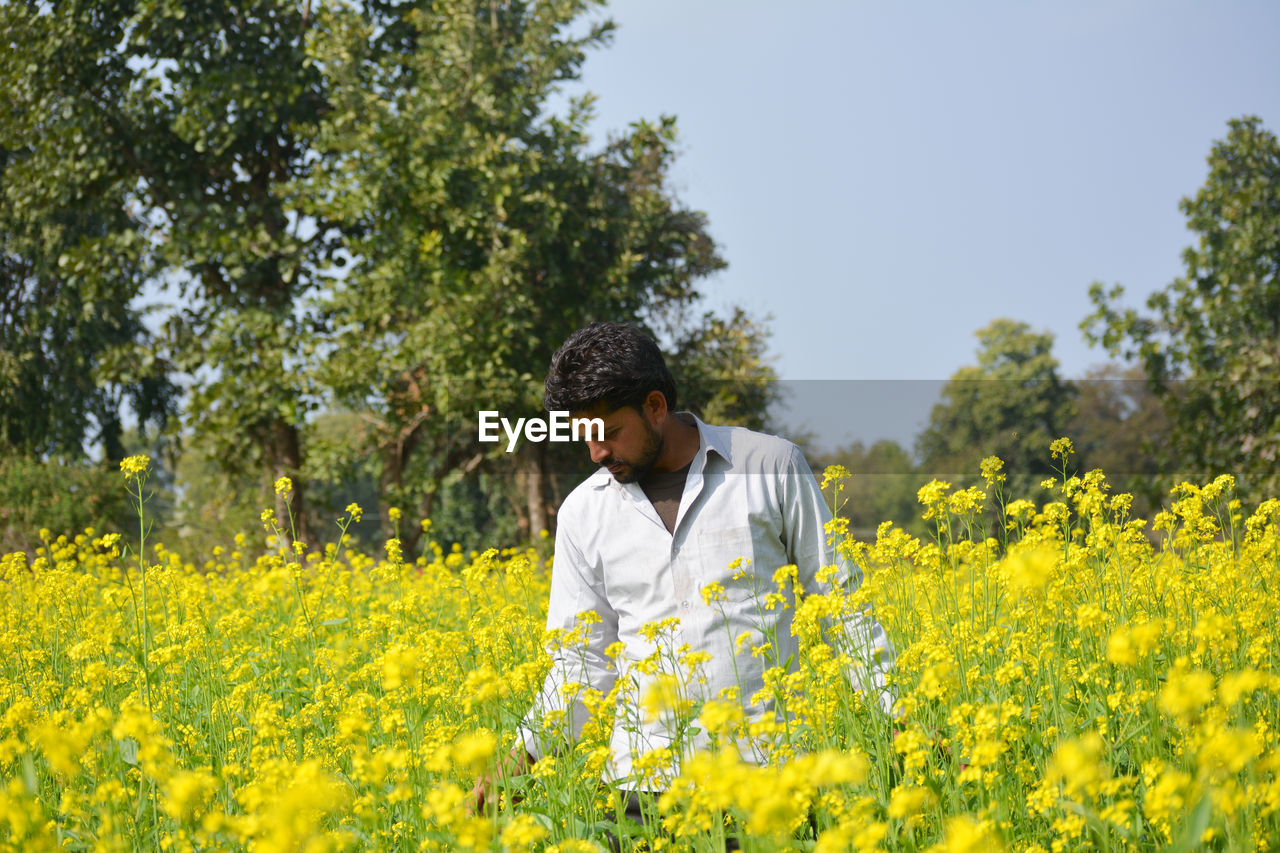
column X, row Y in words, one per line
column 663, row 489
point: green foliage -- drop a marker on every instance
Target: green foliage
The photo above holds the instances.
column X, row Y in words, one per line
column 1120, row 427
column 340, row 476
column 1012, row 404
column 1210, row 341
column 208, row 505
column 198, row 119
column 722, row 372
column 363, row 208
column 70, row 357
column 63, row 376
column 472, row 507
column 61, row 497
column 882, row 488
column 485, row 230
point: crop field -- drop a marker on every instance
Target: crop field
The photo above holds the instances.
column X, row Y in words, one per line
column 1067, row 678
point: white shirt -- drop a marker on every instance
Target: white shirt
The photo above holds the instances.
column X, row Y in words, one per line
column 747, row 495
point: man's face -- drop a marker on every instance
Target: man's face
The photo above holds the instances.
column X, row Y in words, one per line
column 631, row 444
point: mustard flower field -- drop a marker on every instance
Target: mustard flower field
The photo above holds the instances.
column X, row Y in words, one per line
column 1067, row 678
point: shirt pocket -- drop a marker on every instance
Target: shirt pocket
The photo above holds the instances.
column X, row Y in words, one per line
column 717, row 549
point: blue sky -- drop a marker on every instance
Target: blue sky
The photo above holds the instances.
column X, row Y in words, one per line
column 886, row 178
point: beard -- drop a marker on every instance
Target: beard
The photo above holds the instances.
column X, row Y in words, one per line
column 633, row 470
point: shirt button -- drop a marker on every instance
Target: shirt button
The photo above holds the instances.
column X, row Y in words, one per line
column 684, row 604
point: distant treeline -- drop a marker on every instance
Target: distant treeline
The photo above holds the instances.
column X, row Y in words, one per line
column 277, row 239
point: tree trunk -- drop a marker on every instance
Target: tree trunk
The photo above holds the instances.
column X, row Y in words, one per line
column 397, row 445
column 284, row 454
column 534, row 462
column 413, row 532
column 453, row 460
column 555, row 484
column 389, row 482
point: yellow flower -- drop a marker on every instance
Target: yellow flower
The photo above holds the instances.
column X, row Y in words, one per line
column 1131, row 643
column 931, row 496
column 1238, row 684
column 966, row 835
column 834, row 474
column 832, row 767
column 784, row 574
column 472, row 752
column 134, row 466
column 909, row 801
column 966, row 501
column 662, row 696
column 1170, row 794
column 1186, row 692
column 1029, row 570
column 1229, row 751
column 400, row 665
column 284, row 486
column 578, row 845
column 868, row 835
column 713, row 591
column 990, row 468
column 521, row 833
column 653, row 767
column 188, row 793
column 720, row 717
column 353, row 510
column 1078, row 767
column 1120, row 649
column 445, row 804
column 394, row 513
column 63, row 746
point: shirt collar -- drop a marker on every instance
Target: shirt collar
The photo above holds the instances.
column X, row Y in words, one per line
column 710, row 439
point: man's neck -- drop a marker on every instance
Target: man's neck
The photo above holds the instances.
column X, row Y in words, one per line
column 680, row 443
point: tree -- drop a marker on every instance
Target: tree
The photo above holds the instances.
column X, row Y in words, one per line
column 722, row 371
column 70, row 357
column 1012, row 405
column 1210, row 340
column 488, row 230
column 199, row 118
column 1120, row 427
column 366, row 207
column 882, row 487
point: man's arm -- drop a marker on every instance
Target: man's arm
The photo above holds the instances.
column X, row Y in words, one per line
column 516, row 764
column 805, row 517
column 576, row 588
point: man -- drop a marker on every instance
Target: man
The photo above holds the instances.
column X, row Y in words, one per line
column 683, row 525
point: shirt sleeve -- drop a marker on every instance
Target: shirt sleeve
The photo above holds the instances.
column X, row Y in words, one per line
column 859, row 634
column 576, row 587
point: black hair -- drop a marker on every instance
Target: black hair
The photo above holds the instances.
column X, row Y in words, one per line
column 611, row 363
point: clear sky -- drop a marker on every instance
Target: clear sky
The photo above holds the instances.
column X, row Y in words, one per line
column 884, row 178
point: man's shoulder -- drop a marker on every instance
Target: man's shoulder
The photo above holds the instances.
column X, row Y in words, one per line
column 750, row 451
column 590, row 491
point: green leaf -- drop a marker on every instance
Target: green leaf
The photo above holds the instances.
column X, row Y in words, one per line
column 128, row 749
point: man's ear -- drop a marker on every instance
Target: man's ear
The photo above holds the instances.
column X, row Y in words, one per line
column 655, row 407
